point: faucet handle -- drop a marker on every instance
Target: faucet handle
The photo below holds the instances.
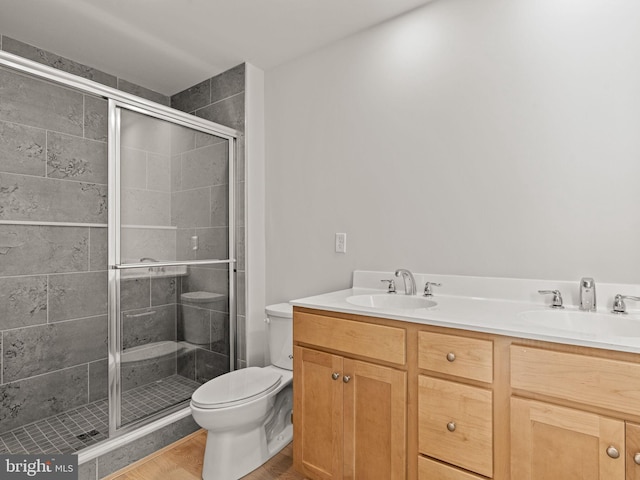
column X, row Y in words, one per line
column 427, row 288
column 392, row 285
column 557, row 297
column 619, row 305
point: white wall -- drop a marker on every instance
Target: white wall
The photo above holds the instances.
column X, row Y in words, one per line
column 493, row 138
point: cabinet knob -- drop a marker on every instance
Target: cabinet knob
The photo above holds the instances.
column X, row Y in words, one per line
column 346, row 379
column 451, row 356
column 636, row 458
column 613, row 452
column 335, row 375
column 451, row 426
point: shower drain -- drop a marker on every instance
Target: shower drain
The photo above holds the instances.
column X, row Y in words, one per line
column 87, row 435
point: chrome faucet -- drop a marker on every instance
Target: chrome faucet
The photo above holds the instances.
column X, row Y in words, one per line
column 588, row 294
column 619, row 305
column 409, row 281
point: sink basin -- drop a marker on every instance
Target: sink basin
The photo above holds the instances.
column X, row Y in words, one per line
column 385, row 300
column 595, row 324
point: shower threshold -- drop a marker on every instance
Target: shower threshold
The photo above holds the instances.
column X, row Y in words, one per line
column 87, row 425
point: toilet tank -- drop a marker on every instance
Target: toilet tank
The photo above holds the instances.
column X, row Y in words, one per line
column 280, row 333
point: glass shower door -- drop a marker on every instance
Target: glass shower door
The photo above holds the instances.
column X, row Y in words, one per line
column 172, row 263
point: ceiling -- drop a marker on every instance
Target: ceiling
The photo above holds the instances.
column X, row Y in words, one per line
column 170, row 45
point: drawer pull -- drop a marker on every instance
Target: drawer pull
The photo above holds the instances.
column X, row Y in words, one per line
column 335, row 375
column 346, row 379
column 613, row 452
column 451, row 426
column 451, row 356
column 636, row 458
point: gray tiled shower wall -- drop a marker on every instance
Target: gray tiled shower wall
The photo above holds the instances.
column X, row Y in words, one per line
column 53, row 282
column 221, row 99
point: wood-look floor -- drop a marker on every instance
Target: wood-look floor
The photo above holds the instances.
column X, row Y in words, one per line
column 182, row 460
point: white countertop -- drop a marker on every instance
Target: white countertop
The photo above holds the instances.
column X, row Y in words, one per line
column 489, row 315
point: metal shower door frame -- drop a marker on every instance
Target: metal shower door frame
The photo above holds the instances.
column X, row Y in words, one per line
column 115, row 266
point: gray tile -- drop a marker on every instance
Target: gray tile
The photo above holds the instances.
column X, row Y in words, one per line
column 29, row 400
column 22, row 149
column 23, row 301
column 137, row 243
column 134, row 293
column 56, row 61
column 206, row 139
column 75, row 158
column 45, row 348
column 77, row 295
column 240, row 211
column 192, row 98
column 187, row 363
column 202, row 279
column 210, row 365
column 240, row 248
column 220, row 333
column 46, row 199
column 88, row 470
column 190, row 208
column 98, row 248
column 228, row 112
column 240, row 159
column 214, row 243
column 133, row 168
column 220, row 206
column 131, row 452
column 159, row 172
column 176, row 173
column 228, row 83
column 205, row 167
column 143, row 207
column 184, row 251
column 183, row 139
column 135, row 374
column 98, row 380
column 194, row 326
column 240, row 293
column 143, row 92
column 241, row 342
column 27, row 250
column 164, row 291
column 141, row 132
column 37, row 103
column 96, row 118
column 142, row 330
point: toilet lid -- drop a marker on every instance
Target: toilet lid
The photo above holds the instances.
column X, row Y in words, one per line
column 234, row 387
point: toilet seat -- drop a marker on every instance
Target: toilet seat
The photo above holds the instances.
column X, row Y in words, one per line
column 237, row 387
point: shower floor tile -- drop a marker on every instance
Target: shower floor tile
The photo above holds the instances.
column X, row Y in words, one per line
column 87, row 425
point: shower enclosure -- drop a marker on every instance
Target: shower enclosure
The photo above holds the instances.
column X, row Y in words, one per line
column 117, row 261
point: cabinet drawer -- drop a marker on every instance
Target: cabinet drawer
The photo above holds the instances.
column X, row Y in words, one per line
column 379, row 342
column 461, row 356
column 610, row 384
column 467, row 411
column 431, row 470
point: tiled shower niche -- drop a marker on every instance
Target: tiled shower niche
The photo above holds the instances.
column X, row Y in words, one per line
column 53, row 267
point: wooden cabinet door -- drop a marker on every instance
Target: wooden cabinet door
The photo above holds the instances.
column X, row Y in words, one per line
column 317, row 414
column 552, row 442
column 633, row 450
column 374, row 422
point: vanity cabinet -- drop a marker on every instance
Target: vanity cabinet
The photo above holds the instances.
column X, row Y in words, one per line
column 385, row 399
column 349, row 413
column 455, row 419
column 585, row 437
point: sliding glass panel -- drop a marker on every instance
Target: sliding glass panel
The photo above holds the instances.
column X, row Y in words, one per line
column 174, row 308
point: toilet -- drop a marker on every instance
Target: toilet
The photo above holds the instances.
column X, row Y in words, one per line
column 247, row 412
